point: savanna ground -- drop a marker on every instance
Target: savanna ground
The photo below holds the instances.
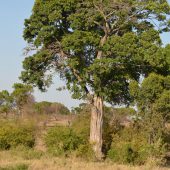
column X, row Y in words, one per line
column 14, row 160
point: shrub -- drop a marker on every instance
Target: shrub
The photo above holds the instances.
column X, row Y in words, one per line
column 13, row 135
column 130, row 146
column 85, row 151
column 62, row 140
column 81, row 126
column 123, row 153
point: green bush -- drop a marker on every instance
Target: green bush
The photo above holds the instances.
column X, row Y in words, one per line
column 123, row 153
column 131, row 147
column 85, row 151
column 62, row 140
column 13, row 135
column 81, row 126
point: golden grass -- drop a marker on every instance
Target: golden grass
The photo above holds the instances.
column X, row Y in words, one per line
column 47, row 162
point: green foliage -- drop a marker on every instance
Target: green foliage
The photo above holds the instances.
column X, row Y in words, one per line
column 16, row 167
column 62, row 140
column 81, row 125
column 6, row 102
column 96, row 45
column 130, row 146
column 21, row 94
column 82, row 108
column 123, row 153
column 150, row 90
column 13, row 135
column 152, row 98
column 86, row 152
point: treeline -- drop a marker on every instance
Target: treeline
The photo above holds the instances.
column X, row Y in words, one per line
column 21, row 101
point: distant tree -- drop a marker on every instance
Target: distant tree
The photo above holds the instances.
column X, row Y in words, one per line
column 22, row 95
column 6, row 102
column 152, row 98
column 42, row 107
column 45, row 107
column 60, row 109
column 96, row 47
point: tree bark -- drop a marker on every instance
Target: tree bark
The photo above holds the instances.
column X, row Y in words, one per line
column 96, row 127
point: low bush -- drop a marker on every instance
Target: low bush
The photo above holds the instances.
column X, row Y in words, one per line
column 124, row 153
column 131, row 147
column 85, row 151
column 62, row 140
column 81, row 126
column 15, row 134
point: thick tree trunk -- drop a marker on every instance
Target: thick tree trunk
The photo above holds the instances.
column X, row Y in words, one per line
column 96, row 127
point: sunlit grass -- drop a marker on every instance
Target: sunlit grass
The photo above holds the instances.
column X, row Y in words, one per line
column 17, row 160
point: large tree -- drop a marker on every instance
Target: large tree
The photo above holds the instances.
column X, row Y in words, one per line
column 96, row 46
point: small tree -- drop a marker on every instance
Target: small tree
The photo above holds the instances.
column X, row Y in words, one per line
column 6, row 102
column 153, row 101
column 22, row 94
column 96, row 47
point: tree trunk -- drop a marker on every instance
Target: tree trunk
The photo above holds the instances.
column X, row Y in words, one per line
column 96, row 127
column 6, row 114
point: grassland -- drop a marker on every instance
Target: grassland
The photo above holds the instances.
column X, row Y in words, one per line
column 34, row 160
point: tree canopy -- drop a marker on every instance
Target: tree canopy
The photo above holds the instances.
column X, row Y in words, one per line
column 96, row 46
column 21, row 94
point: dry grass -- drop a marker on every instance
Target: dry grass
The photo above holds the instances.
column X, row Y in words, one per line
column 47, row 162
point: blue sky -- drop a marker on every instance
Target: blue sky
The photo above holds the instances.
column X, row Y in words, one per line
column 12, row 15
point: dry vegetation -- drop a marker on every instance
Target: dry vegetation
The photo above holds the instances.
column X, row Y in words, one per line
column 46, row 162
column 21, row 158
